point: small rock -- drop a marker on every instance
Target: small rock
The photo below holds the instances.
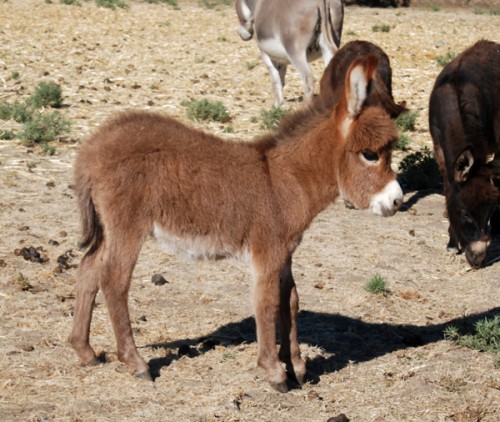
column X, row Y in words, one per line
column 339, row 418
column 158, row 280
column 313, row 395
column 27, row 347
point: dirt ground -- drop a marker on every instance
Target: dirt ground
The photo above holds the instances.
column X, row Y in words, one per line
column 371, row 357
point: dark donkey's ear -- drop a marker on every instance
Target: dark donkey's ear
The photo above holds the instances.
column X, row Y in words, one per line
column 462, row 166
column 494, row 168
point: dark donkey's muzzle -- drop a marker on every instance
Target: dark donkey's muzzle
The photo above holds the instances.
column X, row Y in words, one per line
column 477, row 251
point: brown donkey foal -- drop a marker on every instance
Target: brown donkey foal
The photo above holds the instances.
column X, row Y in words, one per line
column 206, row 197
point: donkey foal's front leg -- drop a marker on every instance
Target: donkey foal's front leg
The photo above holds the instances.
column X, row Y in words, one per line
column 266, row 314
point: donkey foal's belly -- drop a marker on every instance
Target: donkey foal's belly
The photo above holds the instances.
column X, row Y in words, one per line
column 196, row 247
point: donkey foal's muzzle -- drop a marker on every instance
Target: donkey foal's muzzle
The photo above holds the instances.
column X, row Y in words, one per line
column 388, row 200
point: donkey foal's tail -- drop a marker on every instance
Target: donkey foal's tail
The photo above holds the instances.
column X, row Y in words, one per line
column 92, row 234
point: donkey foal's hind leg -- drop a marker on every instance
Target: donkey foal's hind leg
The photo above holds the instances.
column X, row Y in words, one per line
column 86, row 290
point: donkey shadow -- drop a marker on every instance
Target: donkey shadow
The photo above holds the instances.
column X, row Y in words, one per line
column 345, row 340
column 417, row 196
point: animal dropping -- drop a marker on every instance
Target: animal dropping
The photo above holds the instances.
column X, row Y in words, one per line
column 206, row 197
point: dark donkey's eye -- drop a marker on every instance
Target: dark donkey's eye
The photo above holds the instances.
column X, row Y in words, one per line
column 370, row 155
column 465, row 217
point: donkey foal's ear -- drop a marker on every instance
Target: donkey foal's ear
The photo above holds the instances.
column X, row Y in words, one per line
column 358, row 79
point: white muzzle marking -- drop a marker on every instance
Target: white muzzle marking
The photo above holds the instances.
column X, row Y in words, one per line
column 388, row 200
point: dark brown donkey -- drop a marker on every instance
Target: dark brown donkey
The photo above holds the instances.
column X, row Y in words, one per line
column 464, row 121
column 380, row 93
column 206, row 197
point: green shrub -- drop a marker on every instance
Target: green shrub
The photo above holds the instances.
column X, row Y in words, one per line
column 5, row 111
column 406, row 121
column 112, row 4
column 199, row 110
column 7, row 135
column 447, row 58
column 47, row 94
column 44, row 128
column 19, row 112
column 403, row 143
column 420, row 170
column 48, row 149
column 252, row 65
column 271, row 118
column 494, row 11
column 170, row 2
column 37, row 127
column 485, row 336
column 212, row 4
column 381, row 28
column 376, row 284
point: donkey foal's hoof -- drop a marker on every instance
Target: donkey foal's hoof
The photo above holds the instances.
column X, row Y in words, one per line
column 282, row 387
column 300, row 379
column 95, row 361
column 145, row 375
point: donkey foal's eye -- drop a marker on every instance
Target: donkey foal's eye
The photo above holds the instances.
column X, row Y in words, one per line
column 370, row 155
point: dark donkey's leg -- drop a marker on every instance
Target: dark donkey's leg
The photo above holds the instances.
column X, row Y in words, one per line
column 87, row 286
column 495, row 222
column 289, row 308
column 266, row 299
column 452, row 245
column 121, row 258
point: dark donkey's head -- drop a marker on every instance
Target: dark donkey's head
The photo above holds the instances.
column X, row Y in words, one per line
column 380, row 93
column 471, row 198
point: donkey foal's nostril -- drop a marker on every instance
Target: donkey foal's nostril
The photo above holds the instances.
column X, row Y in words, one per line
column 397, row 203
